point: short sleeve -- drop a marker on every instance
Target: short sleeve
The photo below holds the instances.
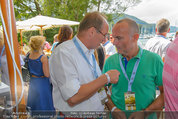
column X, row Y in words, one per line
column 69, row 89
column 64, row 73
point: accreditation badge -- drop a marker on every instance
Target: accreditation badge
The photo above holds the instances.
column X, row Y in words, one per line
column 130, row 101
column 102, row 95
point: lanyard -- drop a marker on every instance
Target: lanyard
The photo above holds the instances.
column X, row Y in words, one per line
column 106, row 43
column 93, row 68
column 161, row 36
column 130, row 82
column 2, row 51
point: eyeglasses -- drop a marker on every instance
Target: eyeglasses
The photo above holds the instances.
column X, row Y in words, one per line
column 105, row 35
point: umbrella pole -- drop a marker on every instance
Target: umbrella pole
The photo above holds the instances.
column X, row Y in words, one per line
column 4, row 8
column 41, row 30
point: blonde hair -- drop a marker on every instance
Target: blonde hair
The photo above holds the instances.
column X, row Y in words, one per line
column 36, row 42
column 1, row 39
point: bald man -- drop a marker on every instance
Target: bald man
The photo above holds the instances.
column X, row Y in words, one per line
column 140, row 73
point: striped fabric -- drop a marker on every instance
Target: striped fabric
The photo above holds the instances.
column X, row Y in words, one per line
column 170, row 80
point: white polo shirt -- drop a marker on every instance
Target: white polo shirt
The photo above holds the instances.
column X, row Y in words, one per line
column 68, row 71
column 158, row 44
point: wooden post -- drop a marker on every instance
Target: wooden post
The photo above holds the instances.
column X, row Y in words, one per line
column 5, row 14
column 41, row 30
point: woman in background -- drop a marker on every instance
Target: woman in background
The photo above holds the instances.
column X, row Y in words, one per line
column 40, row 90
column 65, row 33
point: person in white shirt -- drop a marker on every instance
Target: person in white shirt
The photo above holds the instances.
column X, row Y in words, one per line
column 159, row 43
column 110, row 49
column 75, row 75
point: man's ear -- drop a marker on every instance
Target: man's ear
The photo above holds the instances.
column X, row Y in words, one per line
column 169, row 30
column 136, row 36
column 91, row 31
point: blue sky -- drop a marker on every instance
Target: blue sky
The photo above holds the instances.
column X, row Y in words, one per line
column 153, row 10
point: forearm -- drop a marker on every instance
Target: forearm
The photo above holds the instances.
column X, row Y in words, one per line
column 110, row 104
column 157, row 104
column 87, row 90
column 116, row 113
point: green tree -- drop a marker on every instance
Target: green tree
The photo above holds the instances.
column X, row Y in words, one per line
column 70, row 9
column 113, row 8
column 25, row 9
column 66, row 9
column 75, row 9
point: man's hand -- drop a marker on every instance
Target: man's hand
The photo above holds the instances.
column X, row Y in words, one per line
column 114, row 76
column 118, row 114
column 137, row 115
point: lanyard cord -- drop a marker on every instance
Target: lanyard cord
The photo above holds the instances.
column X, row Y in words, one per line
column 130, row 82
column 93, row 68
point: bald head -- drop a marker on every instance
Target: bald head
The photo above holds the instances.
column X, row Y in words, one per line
column 126, row 34
column 131, row 24
column 93, row 19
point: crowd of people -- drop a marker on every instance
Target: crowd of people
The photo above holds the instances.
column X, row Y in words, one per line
column 95, row 71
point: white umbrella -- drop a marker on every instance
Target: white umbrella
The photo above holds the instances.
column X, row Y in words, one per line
column 42, row 22
column 45, row 21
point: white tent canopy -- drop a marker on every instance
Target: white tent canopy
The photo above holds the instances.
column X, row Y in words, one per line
column 41, row 22
column 45, row 21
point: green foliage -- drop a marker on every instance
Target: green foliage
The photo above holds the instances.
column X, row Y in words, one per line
column 26, row 36
column 49, row 34
column 68, row 9
column 0, row 22
column 25, row 9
